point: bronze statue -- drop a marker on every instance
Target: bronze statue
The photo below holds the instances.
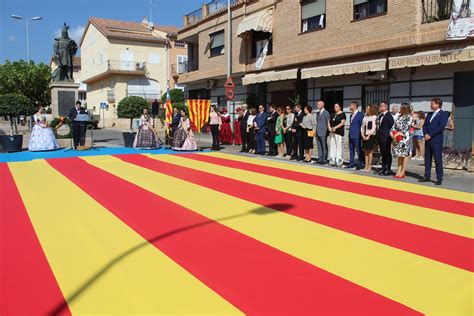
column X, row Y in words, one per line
column 64, row 51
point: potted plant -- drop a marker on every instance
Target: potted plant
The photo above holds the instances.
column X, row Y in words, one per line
column 131, row 107
column 13, row 105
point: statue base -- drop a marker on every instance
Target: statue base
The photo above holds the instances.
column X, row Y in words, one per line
column 63, row 97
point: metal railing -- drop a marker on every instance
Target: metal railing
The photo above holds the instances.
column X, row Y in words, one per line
column 185, row 67
column 436, row 10
column 126, row 65
column 194, row 17
column 218, row 5
column 148, row 95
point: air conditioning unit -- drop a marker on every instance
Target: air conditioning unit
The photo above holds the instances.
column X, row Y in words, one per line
column 140, row 66
column 210, row 84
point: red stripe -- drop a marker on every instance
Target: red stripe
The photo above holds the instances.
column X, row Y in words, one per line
column 27, row 284
column 253, row 276
column 432, row 202
column 437, row 245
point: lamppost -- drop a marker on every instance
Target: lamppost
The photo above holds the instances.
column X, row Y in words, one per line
column 27, row 20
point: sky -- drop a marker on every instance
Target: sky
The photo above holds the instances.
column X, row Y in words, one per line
column 75, row 13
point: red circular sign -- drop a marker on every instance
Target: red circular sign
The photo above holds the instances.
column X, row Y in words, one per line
column 229, row 93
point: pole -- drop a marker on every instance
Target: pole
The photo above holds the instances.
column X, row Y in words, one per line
column 229, row 57
column 27, row 41
column 151, row 10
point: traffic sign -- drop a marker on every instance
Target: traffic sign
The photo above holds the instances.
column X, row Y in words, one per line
column 229, row 93
column 103, row 105
column 229, row 82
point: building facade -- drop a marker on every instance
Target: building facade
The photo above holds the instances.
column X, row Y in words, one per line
column 334, row 50
column 122, row 59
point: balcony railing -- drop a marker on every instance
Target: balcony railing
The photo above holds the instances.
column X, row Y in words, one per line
column 146, row 94
column 194, row 17
column 218, row 5
column 114, row 66
column 125, row 65
column 185, row 67
column 436, row 10
column 205, row 10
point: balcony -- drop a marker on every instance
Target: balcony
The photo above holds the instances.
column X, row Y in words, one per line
column 182, row 68
column 96, row 72
column 436, row 10
column 206, row 10
column 149, row 95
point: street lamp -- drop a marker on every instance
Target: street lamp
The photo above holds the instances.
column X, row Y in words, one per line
column 27, row 20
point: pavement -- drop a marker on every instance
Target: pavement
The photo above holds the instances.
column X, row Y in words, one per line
column 459, row 180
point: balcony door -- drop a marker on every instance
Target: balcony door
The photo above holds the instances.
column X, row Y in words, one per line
column 182, row 61
column 126, row 60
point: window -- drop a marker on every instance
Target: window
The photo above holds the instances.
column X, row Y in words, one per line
column 217, row 43
column 181, row 61
column 366, row 8
column 154, row 58
column 179, row 44
column 259, row 40
column 313, row 15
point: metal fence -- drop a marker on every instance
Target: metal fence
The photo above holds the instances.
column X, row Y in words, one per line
column 194, row 16
column 218, row 5
column 436, row 10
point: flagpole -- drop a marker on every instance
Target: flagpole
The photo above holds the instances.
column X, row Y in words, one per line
column 229, row 57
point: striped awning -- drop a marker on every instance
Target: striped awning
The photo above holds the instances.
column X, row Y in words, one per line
column 269, row 76
column 344, row 69
column 447, row 55
column 261, row 21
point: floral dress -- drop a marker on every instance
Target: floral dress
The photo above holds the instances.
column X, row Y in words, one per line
column 403, row 124
column 42, row 137
column 146, row 137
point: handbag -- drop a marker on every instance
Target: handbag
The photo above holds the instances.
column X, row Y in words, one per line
column 311, row 133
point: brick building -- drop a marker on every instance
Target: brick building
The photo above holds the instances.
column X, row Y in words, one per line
column 335, row 50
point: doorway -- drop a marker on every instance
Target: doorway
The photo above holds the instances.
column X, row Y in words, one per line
column 332, row 96
column 463, row 109
column 375, row 95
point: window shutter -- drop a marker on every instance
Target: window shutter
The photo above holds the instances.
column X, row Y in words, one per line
column 312, row 9
column 217, row 40
column 357, row 2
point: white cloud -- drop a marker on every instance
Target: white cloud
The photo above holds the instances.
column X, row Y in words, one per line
column 75, row 33
column 11, row 38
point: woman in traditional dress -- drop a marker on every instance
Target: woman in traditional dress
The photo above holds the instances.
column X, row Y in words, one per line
column 42, row 137
column 237, row 135
column 402, row 134
column 225, row 134
column 185, row 140
column 146, row 137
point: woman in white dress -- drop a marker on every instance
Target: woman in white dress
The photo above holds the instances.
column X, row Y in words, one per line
column 42, row 137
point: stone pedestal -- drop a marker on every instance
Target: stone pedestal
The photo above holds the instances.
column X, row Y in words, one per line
column 63, row 97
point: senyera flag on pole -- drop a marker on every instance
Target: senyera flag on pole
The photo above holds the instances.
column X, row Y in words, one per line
column 168, row 109
column 199, row 112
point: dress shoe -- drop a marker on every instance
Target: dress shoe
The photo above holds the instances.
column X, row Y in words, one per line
column 299, row 159
column 389, row 173
column 439, row 182
column 425, row 180
column 350, row 166
column 381, row 172
column 293, row 158
column 360, row 167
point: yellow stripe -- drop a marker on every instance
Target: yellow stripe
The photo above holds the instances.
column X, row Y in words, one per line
column 422, row 284
column 403, row 186
column 443, row 221
column 81, row 238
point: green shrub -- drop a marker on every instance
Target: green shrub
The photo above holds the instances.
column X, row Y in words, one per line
column 14, row 105
column 132, row 107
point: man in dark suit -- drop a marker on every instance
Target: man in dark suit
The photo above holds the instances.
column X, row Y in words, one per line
column 433, row 129
column 354, row 136
column 78, row 128
column 260, row 129
column 243, row 128
column 385, row 122
column 271, row 128
column 175, row 121
column 297, row 131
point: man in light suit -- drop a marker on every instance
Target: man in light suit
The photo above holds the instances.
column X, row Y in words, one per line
column 322, row 119
column 260, row 129
column 354, row 137
column 433, row 129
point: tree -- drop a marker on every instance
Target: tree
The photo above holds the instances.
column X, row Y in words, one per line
column 177, row 97
column 132, row 107
column 29, row 79
column 14, row 105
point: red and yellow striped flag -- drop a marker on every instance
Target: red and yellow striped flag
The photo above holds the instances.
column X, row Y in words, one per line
column 199, row 112
column 168, row 110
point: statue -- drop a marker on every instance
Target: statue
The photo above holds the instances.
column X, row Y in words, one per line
column 64, row 51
